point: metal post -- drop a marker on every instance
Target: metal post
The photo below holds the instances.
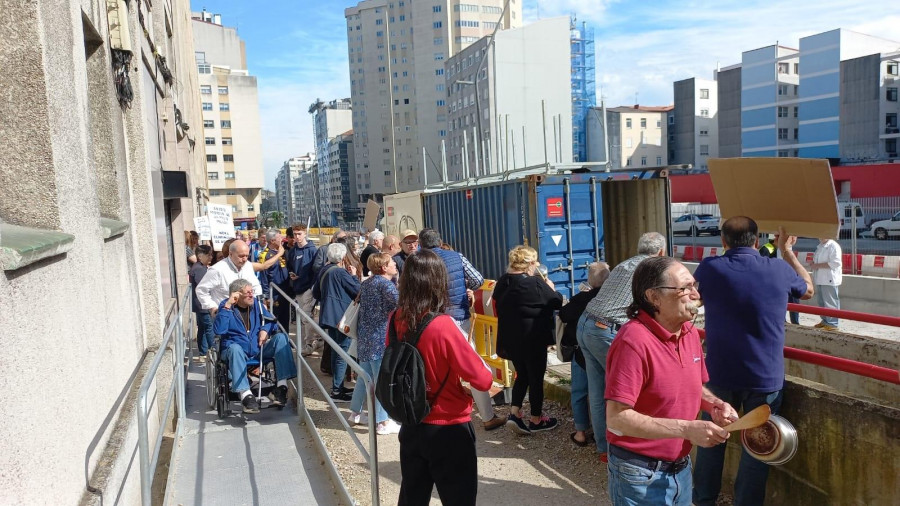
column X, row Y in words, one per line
column 560, row 140
column 555, row 144
column 568, row 197
column 477, row 142
column 424, row 167
column 853, row 232
column 485, row 157
column 544, row 122
column 465, row 155
column 179, row 361
column 512, row 140
column 506, row 151
column 524, row 148
column 594, row 216
column 444, row 159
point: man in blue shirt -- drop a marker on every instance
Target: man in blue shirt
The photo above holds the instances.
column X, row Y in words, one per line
column 300, row 268
column 745, row 295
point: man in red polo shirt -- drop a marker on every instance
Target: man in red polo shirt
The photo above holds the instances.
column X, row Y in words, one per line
column 654, row 390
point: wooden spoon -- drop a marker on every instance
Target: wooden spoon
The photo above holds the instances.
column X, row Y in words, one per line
column 750, row 420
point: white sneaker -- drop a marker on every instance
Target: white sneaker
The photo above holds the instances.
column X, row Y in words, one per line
column 357, row 419
column 387, row 427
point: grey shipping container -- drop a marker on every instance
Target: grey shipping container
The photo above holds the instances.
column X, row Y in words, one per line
column 570, row 220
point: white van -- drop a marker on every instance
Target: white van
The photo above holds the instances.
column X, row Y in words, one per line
column 845, row 213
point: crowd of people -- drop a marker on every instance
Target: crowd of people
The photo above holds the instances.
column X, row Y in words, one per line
column 639, row 374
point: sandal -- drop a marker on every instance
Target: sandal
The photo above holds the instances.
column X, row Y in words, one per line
column 587, row 440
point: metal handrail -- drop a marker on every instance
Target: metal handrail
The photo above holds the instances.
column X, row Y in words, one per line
column 372, row 455
column 175, row 327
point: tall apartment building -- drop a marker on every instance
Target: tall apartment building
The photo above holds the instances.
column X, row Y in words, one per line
column 230, row 104
column 330, row 121
column 695, row 123
column 307, row 188
column 286, row 191
column 532, row 67
column 397, row 51
column 729, row 117
column 637, row 135
column 103, row 172
column 835, row 97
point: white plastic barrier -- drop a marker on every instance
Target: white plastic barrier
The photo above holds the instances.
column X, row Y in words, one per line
column 879, row 265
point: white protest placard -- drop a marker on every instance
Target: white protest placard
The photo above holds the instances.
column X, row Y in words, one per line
column 201, row 226
column 221, row 224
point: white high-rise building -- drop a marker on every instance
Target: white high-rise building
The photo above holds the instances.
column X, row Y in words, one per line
column 695, row 122
column 397, row 51
column 230, row 106
column 286, row 192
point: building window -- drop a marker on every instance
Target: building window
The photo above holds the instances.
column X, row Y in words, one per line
column 224, row 106
column 226, row 123
column 226, row 141
column 223, row 90
column 892, row 68
column 890, row 120
column 228, row 158
column 441, row 103
column 207, row 106
column 890, row 145
column 782, row 133
column 208, row 123
column 229, row 175
column 704, row 133
column 704, row 150
column 211, row 158
column 204, row 68
column 210, row 141
column 437, row 24
column 436, row 8
column 628, row 162
column 212, row 176
column 796, row 111
column 659, row 161
column 704, row 113
column 783, row 153
column 628, row 142
column 784, row 68
column 438, row 41
column 439, row 72
column 892, row 94
column 437, row 57
column 250, row 206
column 643, row 161
column 643, row 122
column 704, row 93
column 796, row 133
column 206, row 89
column 672, row 120
column 627, row 122
column 782, row 89
column 658, row 123
column 782, row 111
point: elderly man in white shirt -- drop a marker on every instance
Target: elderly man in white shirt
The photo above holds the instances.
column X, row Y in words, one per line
column 827, row 277
column 213, row 289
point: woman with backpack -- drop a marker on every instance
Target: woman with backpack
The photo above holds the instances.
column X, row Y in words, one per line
column 439, row 451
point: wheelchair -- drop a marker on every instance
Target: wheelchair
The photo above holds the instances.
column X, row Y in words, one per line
column 218, row 393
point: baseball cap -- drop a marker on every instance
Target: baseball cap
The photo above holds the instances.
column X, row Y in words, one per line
column 409, row 233
column 771, row 237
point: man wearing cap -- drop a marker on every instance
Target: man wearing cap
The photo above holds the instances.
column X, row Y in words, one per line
column 409, row 243
column 376, row 239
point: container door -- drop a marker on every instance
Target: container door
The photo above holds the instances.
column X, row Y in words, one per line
column 632, row 207
column 569, row 229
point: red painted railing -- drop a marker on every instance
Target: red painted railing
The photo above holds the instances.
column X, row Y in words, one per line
column 838, row 363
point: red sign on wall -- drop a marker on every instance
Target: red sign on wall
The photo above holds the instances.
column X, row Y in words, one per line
column 468, row 194
column 390, row 211
column 555, row 207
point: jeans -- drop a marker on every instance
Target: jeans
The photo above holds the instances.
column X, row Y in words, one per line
column 795, row 316
column 827, row 296
column 205, row 335
column 580, row 408
column 338, row 365
column 633, row 485
column 276, row 347
column 359, row 391
column 750, row 483
column 595, row 343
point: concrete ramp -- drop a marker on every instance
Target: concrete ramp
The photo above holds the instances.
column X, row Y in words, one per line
column 261, row 459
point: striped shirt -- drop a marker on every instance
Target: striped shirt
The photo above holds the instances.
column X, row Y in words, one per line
column 615, row 296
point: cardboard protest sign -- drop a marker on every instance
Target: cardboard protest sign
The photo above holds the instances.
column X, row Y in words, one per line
column 221, row 224
column 201, row 226
column 795, row 193
column 371, row 216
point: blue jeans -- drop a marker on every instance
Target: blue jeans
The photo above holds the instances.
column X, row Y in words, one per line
column 276, row 347
column 595, row 343
column 580, row 407
column 634, row 485
column 827, row 296
column 338, row 365
column 750, row 483
column 359, row 391
column 205, row 335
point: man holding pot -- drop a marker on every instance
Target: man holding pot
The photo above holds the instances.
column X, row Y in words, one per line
column 746, row 296
column 654, row 390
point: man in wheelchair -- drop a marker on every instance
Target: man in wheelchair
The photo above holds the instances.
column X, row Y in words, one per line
column 245, row 327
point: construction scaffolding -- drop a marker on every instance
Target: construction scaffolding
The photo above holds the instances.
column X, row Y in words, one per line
column 584, row 94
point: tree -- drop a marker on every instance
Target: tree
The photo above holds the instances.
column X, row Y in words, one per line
column 277, row 218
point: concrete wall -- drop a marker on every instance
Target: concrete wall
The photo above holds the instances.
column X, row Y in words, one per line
column 90, row 318
column 729, row 112
column 685, row 105
column 861, row 123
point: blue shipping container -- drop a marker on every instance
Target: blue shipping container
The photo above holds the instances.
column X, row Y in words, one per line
column 570, row 220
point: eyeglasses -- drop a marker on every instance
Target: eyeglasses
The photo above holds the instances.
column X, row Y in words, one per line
column 682, row 290
column 410, row 243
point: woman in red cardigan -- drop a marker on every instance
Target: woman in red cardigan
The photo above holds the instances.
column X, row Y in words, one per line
column 440, row 451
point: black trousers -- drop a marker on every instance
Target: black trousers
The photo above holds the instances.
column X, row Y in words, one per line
column 530, row 370
column 281, row 310
column 438, row 455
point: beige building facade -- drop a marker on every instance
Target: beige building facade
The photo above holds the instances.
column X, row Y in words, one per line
column 103, row 173
column 397, row 51
column 638, row 136
column 230, row 105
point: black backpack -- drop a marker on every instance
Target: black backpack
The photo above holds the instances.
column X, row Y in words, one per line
column 400, row 386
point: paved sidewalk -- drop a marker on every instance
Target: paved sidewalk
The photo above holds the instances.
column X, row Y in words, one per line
column 260, row 459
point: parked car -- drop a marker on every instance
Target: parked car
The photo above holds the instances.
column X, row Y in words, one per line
column 696, row 224
column 885, row 229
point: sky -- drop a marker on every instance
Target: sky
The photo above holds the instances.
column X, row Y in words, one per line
column 298, row 49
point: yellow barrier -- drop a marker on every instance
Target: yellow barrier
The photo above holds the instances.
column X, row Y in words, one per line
column 484, row 334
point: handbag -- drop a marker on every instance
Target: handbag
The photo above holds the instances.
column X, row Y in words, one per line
column 563, row 352
column 348, row 322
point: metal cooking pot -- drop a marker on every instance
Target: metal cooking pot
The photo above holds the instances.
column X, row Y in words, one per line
column 774, row 442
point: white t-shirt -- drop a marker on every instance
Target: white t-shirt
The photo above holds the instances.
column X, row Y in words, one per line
column 828, row 252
